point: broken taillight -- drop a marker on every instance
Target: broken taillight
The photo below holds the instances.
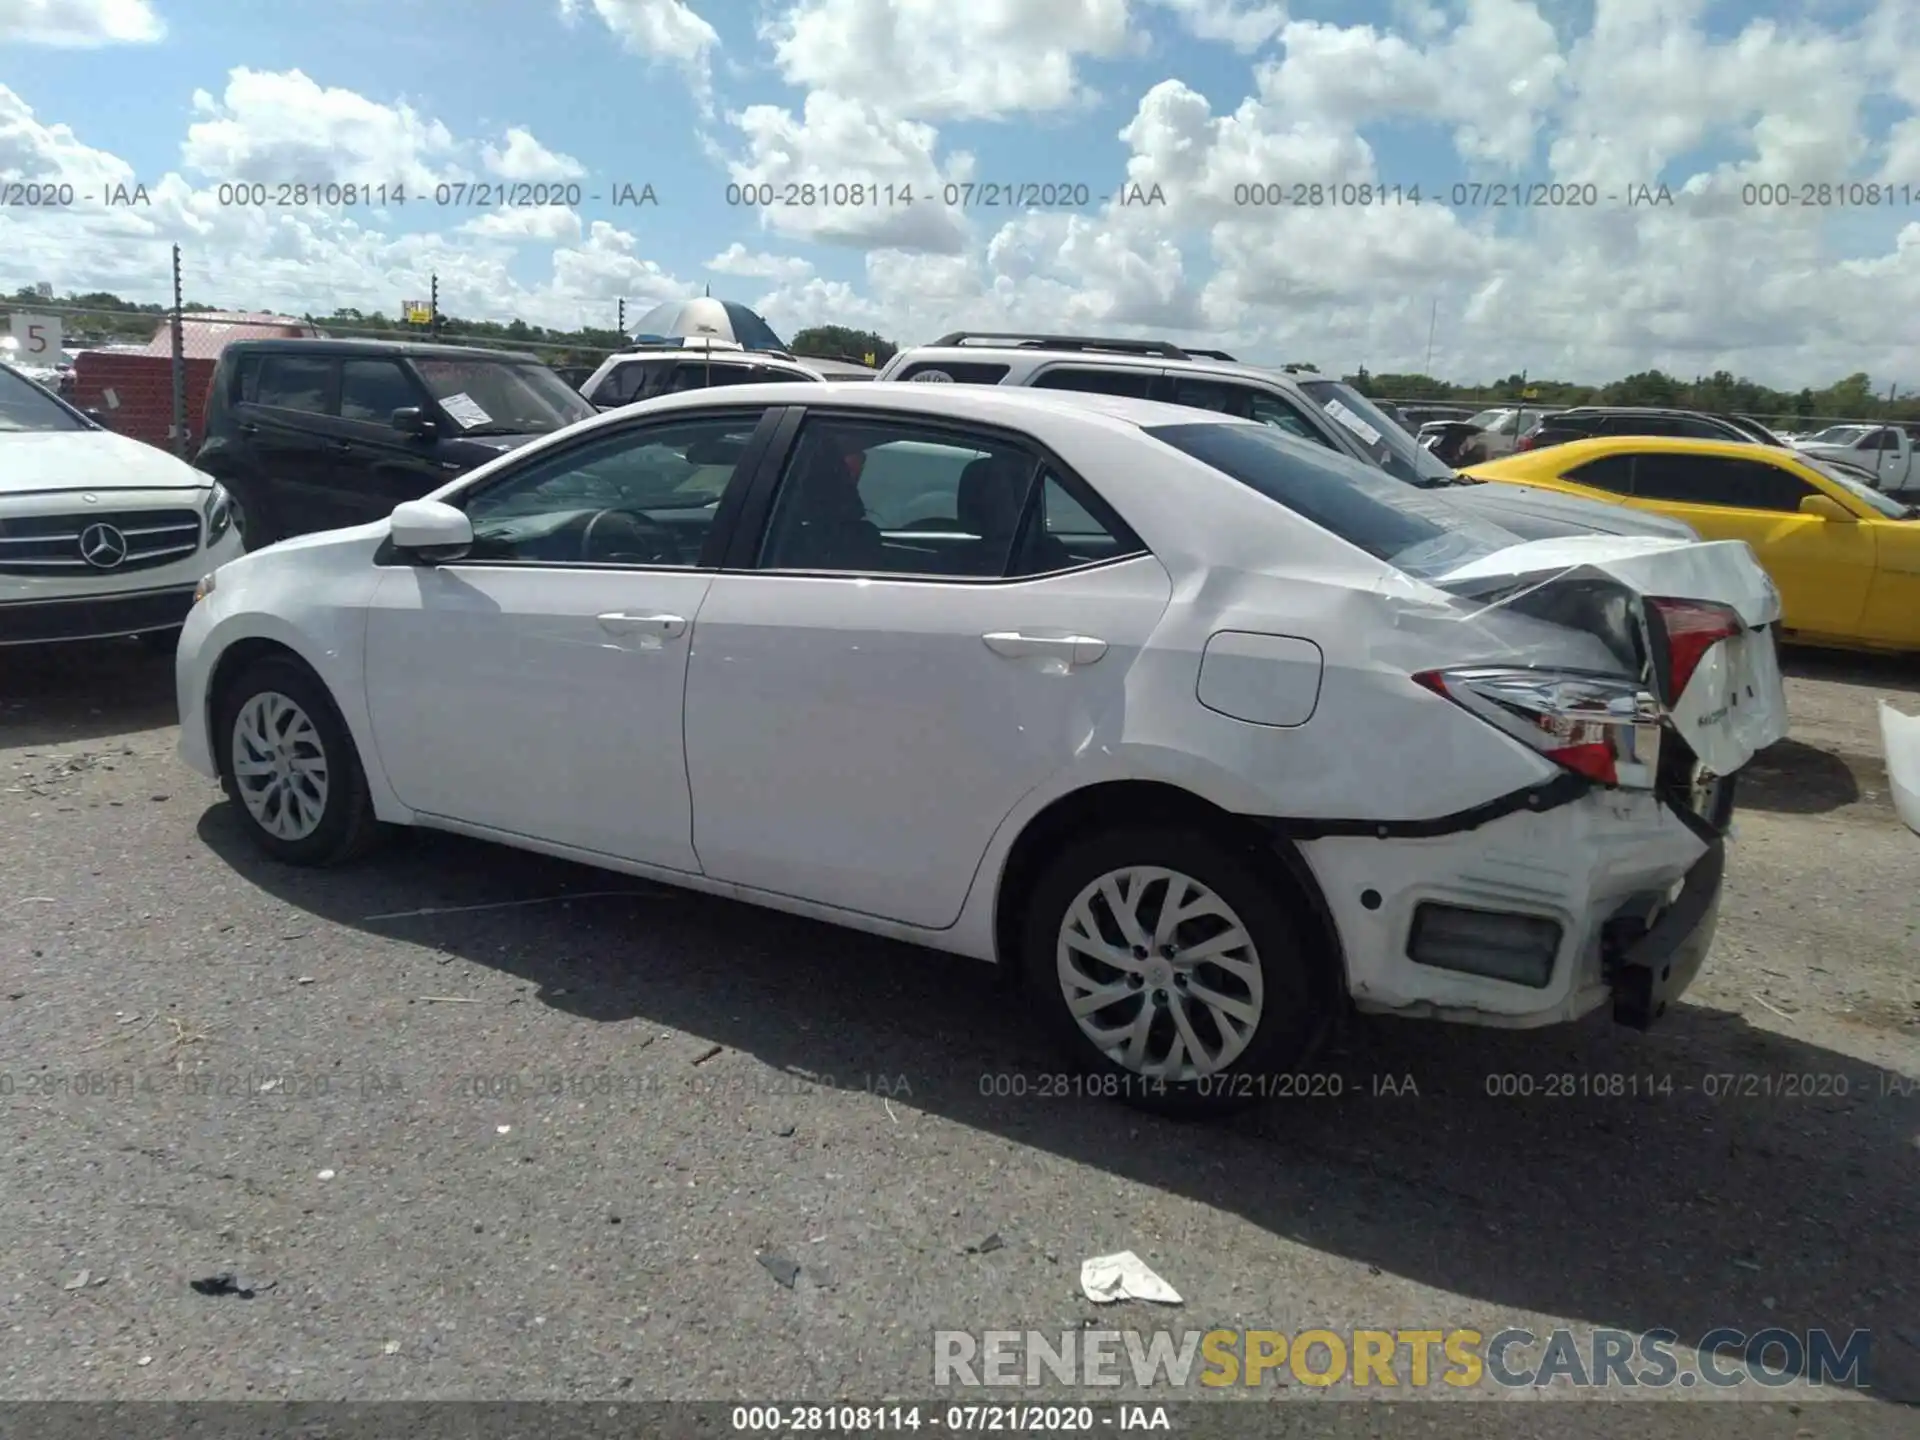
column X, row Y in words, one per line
column 1603, row 727
column 1690, row 629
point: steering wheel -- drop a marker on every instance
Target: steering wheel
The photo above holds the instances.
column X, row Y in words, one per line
column 629, row 538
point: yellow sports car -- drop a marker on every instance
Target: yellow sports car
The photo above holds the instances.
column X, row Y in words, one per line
column 1845, row 556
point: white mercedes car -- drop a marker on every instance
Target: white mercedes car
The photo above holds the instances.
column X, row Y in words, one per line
column 100, row 536
column 1205, row 730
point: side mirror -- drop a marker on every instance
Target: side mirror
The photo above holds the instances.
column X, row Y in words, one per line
column 413, row 421
column 431, row 530
column 1824, row 507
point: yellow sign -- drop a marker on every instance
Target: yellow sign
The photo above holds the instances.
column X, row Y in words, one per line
column 868, row 358
column 418, row 314
column 1530, row 393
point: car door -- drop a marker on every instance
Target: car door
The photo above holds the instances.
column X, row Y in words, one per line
column 1882, row 453
column 282, row 422
column 534, row 687
column 374, row 466
column 1822, row 567
column 864, row 706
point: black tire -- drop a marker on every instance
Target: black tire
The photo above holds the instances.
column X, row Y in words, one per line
column 1290, row 1020
column 347, row 827
column 259, row 525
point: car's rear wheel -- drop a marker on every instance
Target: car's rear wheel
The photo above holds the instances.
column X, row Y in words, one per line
column 1170, row 971
column 290, row 766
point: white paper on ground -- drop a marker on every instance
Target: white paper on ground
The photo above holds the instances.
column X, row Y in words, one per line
column 466, row 411
column 1900, row 740
column 1107, row 1278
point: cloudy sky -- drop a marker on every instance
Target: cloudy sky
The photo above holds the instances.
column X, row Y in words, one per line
column 1732, row 105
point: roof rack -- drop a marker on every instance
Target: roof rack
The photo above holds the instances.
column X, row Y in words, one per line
column 1163, row 348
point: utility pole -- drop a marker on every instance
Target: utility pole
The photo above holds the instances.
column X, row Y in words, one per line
column 179, row 365
column 433, row 307
column 1432, row 321
column 621, row 326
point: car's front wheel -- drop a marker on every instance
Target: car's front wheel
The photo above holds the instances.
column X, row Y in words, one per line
column 289, row 764
column 1170, row 971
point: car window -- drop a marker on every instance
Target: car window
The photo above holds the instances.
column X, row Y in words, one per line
column 1412, row 530
column 1712, row 480
column 1070, row 533
column 956, row 372
column 1881, row 440
column 26, row 406
column 1490, row 420
column 372, row 390
column 1135, row 383
column 295, row 382
column 630, row 381
column 1612, row 473
column 487, row 396
column 645, row 496
column 894, row 497
column 1244, row 403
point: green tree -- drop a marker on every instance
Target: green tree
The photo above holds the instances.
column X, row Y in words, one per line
column 840, row 342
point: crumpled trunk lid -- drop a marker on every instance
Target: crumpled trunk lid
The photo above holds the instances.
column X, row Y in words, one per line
column 1734, row 703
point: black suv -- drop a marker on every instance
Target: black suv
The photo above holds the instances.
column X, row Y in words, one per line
column 1587, row 422
column 317, row 434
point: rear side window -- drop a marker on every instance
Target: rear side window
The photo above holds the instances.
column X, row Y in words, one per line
column 1137, row 384
column 630, row 382
column 1612, row 473
column 1413, row 532
column 295, row 382
column 1711, row 480
column 958, row 372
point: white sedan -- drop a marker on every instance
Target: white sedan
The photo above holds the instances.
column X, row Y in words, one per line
column 1206, row 730
column 100, row 535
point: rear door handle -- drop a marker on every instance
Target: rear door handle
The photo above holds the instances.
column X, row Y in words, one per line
column 618, row 622
column 249, row 428
column 342, row 446
column 1074, row 649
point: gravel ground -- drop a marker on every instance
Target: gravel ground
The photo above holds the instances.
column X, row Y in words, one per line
column 494, row 1126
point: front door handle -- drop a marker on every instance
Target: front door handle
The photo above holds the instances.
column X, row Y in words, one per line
column 1074, row 649
column 620, row 623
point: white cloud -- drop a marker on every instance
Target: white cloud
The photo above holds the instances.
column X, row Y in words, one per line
column 1518, row 90
column 526, row 222
column 286, row 128
column 79, row 24
column 843, row 172
column 525, row 158
column 1244, row 24
column 736, row 259
column 659, row 30
column 948, row 59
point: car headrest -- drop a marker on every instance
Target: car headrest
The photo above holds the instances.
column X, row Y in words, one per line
column 991, row 494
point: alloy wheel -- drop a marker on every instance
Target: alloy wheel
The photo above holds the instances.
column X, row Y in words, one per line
column 1160, row 973
column 279, row 766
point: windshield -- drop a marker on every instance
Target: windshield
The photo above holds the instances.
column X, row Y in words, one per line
column 503, row 397
column 1488, row 419
column 1883, row 504
column 1385, row 441
column 1756, row 429
column 1421, row 535
column 26, row 406
column 1838, row 435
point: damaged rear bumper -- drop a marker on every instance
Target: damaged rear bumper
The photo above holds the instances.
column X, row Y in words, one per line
column 1630, row 890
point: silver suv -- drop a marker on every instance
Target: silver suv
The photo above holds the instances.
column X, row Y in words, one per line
column 662, row 367
column 1325, row 411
